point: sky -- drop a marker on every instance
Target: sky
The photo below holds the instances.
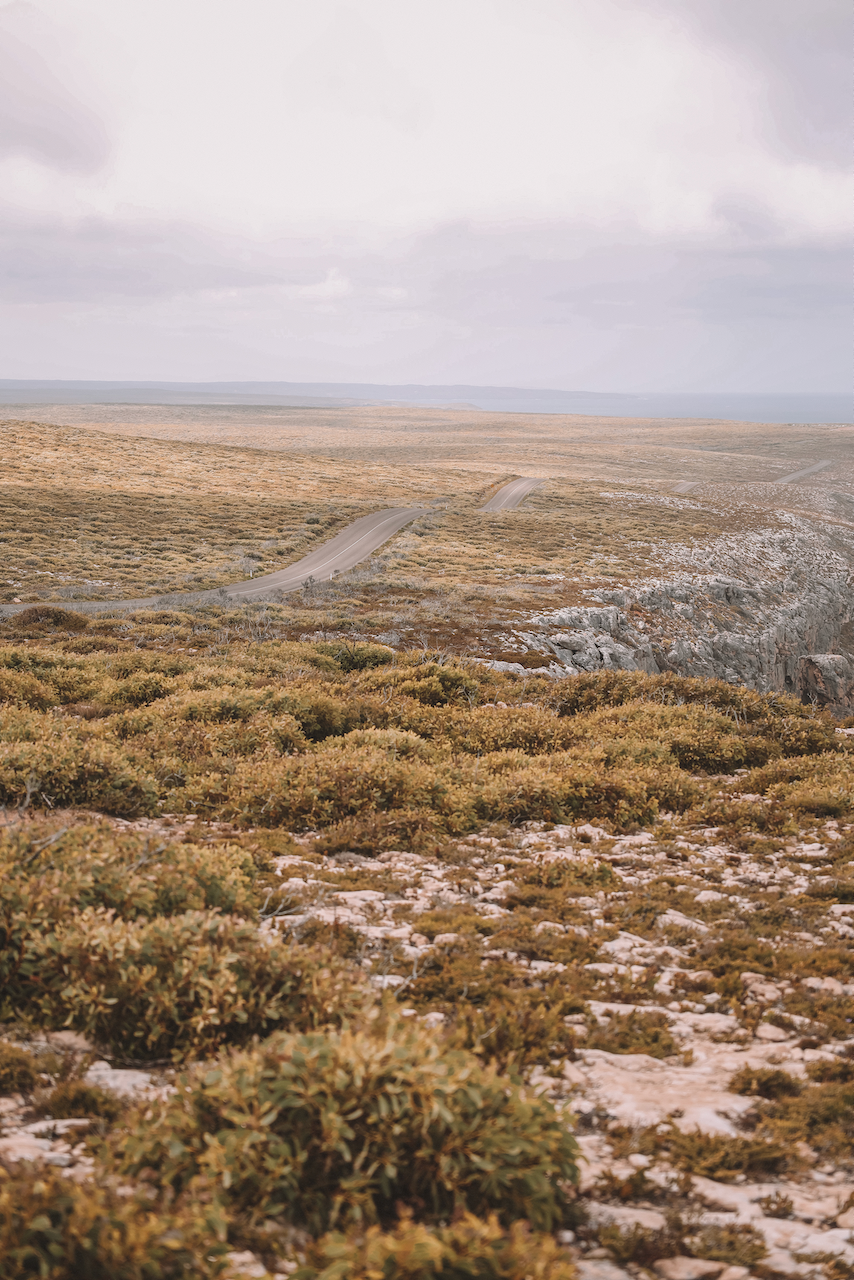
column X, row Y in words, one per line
column 609, row 195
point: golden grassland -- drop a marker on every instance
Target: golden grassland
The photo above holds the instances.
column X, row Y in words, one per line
column 88, row 514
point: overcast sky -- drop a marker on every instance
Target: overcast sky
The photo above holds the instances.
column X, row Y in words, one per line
column 621, row 195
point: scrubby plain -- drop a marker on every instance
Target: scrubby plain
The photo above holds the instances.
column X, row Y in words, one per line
column 329, row 950
column 312, row 948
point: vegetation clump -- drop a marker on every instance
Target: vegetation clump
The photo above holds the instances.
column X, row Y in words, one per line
column 346, row 1127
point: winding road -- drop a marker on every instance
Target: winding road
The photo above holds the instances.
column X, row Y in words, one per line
column 343, row 552
column 511, row 494
column 347, row 549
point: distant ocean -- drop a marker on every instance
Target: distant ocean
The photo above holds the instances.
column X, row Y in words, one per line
column 727, row 406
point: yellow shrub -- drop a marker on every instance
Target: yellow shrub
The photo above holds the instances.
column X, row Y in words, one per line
column 467, row 1247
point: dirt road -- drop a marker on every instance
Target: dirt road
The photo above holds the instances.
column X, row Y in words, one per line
column 511, row 494
column 343, row 552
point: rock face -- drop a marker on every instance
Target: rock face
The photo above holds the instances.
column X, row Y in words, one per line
column 788, row 630
column 828, row 680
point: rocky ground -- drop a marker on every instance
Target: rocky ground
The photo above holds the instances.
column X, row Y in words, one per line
column 770, row 609
column 697, row 964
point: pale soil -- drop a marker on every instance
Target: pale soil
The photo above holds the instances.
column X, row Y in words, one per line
column 642, row 970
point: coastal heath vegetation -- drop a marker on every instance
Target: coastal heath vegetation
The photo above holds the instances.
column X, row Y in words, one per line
column 307, row 1113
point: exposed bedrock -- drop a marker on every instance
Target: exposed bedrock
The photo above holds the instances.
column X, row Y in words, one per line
column 792, row 634
column 828, row 680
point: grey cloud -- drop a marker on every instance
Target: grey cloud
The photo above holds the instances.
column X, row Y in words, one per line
column 93, row 260
column 547, row 305
column 799, row 54
column 40, row 117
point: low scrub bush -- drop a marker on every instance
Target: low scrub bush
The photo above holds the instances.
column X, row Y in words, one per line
column 19, row 1070
column 57, row 1229
column 513, row 1030
column 647, row 1033
column 73, row 1099
column 723, row 1158
column 63, row 770
column 738, row 1245
column 765, row 1082
column 341, row 1127
column 176, row 985
column 468, row 1247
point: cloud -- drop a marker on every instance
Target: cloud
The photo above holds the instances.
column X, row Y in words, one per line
column 611, row 194
column 799, row 54
column 534, row 304
column 41, row 118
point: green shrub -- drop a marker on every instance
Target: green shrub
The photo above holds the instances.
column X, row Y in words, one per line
column 24, row 690
column 513, row 1030
column 765, row 1082
column 358, row 657
column 841, row 1071
column 822, row 1115
column 634, row 1033
column 72, row 1099
column 45, row 616
column 738, row 1245
column 64, row 769
column 723, row 1158
column 318, row 789
column 467, row 1248
column 177, row 985
column 350, row 1126
column 57, row 1229
column 18, row 1070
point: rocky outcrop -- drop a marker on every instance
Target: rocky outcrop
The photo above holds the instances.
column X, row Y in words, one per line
column 757, row 633
column 827, row 679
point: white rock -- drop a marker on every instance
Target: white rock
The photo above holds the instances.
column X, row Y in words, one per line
column 709, row 895
column 640, row 1090
column 120, row 1080
column 675, row 920
column 767, row 1031
column 600, row 1269
column 681, row 1268
column 625, row 1216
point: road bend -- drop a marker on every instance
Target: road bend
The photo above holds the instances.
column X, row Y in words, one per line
column 347, row 549
column 510, row 495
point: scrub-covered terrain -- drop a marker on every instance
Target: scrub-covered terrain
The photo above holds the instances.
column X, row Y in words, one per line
column 331, row 958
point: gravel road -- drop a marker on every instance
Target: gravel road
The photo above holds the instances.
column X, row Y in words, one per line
column 343, row 552
column 510, row 495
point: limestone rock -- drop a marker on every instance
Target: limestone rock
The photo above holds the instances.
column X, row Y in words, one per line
column 682, row 1268
column 827, row 679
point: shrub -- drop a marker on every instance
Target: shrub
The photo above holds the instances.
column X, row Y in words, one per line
column 177, row 985
column 72, row 1099
column 18, row 1070
column 469, row 1247
column 43, row 867
column 822, row 1115
column 765, row 1082
column 738, row 1245
column 841, row 1071
column 348, row 1126
column 24, row 690
column 513, row 1031
column 326, row 786
column 722, row 1158
column 634, row 1033
column 57, row 1229
column 64, row 770
column 358, row 657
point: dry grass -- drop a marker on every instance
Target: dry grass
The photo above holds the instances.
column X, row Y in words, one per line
column 106, row 514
